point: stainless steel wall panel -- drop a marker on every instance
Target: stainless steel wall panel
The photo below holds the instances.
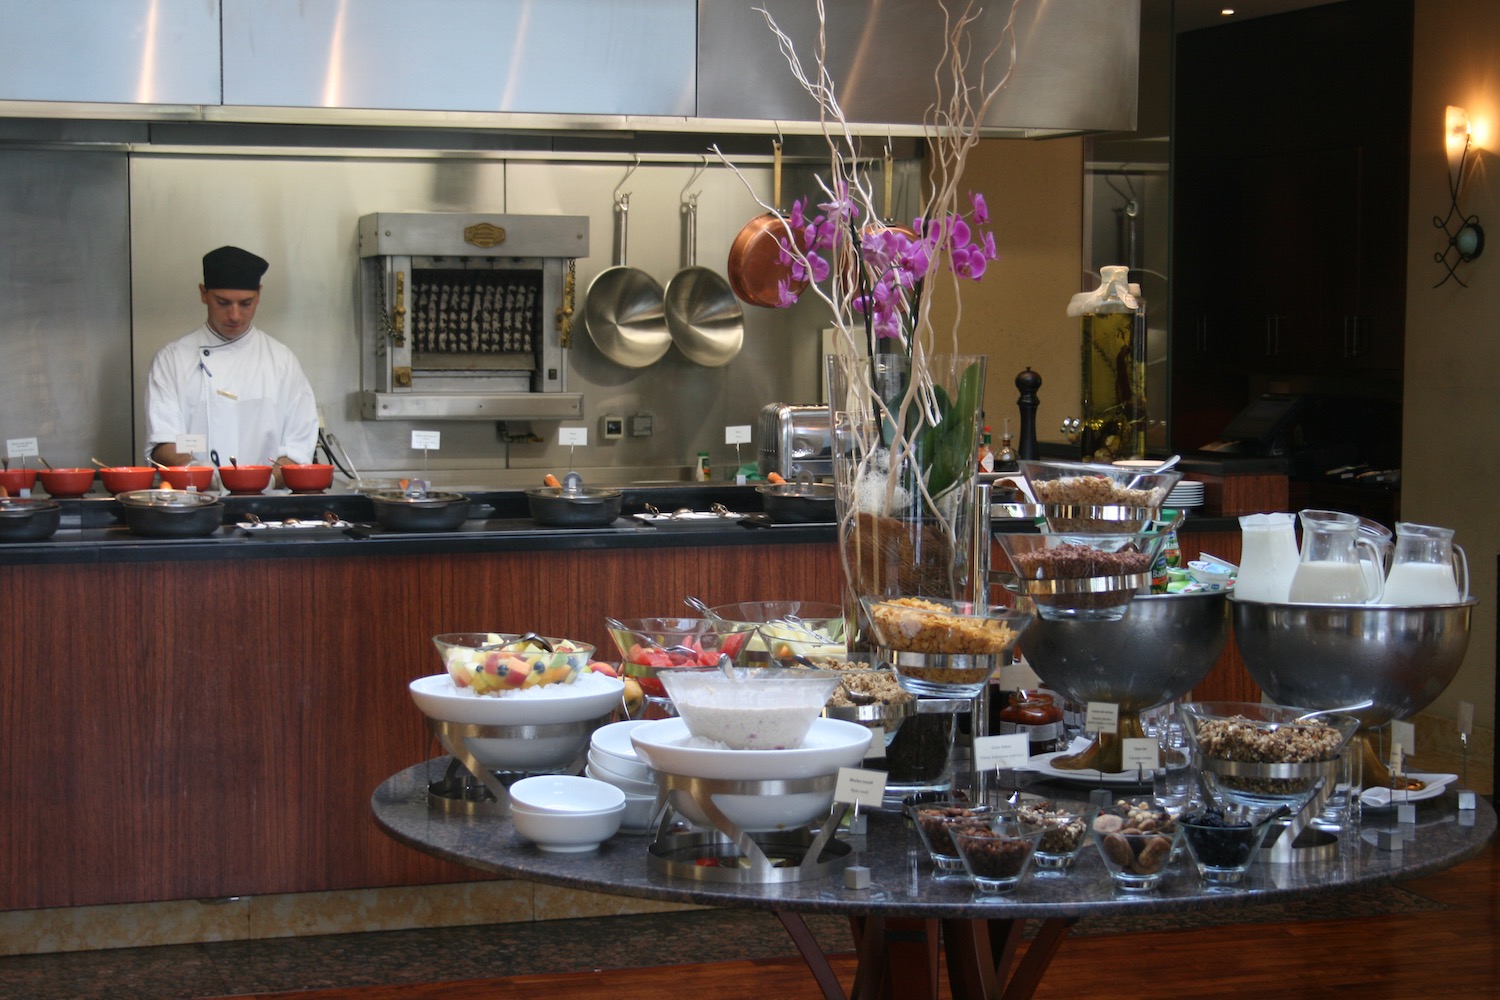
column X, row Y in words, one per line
column 65, row 285
column 624, row 57
column 1076, row 62
column 125, row 51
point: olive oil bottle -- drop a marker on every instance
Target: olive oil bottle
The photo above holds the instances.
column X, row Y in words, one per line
column 1113, row 397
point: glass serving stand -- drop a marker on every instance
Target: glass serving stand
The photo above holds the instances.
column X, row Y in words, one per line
column 471, row 788
column 751, row 857
column 1293, row 839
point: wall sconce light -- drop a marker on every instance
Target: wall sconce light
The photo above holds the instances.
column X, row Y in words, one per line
column 1465, row 235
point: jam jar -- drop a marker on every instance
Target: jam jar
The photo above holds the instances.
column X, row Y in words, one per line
column 1038, row 716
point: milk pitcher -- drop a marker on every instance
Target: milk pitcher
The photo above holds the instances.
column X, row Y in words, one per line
column 1330, row 570
column 1428, row 568
column 1268, row 558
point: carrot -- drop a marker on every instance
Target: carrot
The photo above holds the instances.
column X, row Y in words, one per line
column 550, row 480
column 776, row 478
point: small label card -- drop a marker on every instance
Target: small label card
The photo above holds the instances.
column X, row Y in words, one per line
column 1140, row 753
column 1017, row 675
column 877, row 743
column 859, row 787
column 20, row 447
column 190, row 443
column 570, row 436
column 426, row 440
column 737, row 434
column 993, row 752
column 1466, row 719
column 1404, row 734
column 1102, row 717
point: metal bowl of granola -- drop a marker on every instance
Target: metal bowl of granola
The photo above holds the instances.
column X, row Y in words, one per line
column 1089, row 484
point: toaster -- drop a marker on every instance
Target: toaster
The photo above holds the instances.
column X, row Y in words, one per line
column 795, row 439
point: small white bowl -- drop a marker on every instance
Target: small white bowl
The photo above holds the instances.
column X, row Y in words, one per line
column 614, row 739
column 565, row 794
column 565, row 813
column 568, row 833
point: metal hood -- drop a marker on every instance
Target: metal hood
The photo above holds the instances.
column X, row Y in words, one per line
column 619, row 69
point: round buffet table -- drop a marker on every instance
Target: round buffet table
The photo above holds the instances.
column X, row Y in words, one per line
column 898, row 920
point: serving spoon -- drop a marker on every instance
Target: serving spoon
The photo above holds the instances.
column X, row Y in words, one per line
column 1341, row 710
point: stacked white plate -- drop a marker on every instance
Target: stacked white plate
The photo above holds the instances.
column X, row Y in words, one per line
column 1185, row 494
column 612, row 759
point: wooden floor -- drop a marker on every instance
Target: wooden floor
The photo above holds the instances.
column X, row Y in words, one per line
column 1446, row 953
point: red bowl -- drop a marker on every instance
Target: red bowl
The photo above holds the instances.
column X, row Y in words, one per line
column 307, row 478
column 126, row 478
column 245, row 478
column 16, row 480
column 180, row 477
column 66, row 482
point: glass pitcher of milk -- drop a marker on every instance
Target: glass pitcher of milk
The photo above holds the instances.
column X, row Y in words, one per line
column 1428, row 568
column 1331, row 570
column 1268, row 558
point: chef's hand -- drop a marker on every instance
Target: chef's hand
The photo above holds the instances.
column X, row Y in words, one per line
column 276, row 465
column 167, row 454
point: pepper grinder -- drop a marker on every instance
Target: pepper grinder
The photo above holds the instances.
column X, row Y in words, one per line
column 1028, row 382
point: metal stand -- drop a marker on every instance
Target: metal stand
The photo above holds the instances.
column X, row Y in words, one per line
column 482, row 790
column 754, row 856
column 1294, row 839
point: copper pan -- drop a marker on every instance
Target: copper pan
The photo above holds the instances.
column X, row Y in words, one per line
column 755, row 268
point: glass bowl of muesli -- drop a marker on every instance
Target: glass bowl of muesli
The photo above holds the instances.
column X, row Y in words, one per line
column 1258, row 754
column 1087, row 484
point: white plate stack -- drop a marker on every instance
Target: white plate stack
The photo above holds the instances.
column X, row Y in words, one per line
column 1185, row 494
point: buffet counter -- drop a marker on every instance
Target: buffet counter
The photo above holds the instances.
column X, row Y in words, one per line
column 203, row 718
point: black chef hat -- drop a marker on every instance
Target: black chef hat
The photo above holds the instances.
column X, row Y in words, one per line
column 231, row 267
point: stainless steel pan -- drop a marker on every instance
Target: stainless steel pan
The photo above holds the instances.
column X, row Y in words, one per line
column 624, row 311
column 706, row 320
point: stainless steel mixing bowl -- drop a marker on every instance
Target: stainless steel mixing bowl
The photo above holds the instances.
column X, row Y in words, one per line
column 1163, row 646
column 1328, row 655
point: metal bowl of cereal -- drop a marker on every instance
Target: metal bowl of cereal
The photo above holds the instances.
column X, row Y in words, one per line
column 943, row 648
column 1089, row 484
column 1084, row 576
column 1256, row 754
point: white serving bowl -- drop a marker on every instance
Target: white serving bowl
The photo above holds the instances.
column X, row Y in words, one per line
column 627, row 785
column 591, row 696
column 638, row 811
column 635, row 772
column 829, row 745
column 611, row 746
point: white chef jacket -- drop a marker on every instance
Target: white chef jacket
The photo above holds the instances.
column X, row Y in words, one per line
column 248, row 396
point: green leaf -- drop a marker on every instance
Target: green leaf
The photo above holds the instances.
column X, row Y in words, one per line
column 951, row 447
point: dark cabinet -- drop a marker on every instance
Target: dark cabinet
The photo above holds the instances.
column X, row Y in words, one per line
column 1289, row 208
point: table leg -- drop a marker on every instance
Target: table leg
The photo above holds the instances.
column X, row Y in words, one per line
column 807, row 947
column 898, row 959
column 1043, row 948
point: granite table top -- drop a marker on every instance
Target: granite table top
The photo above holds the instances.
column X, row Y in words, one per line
column 902, row 879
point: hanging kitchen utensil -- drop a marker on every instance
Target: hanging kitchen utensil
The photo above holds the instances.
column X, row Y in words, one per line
column 706, row 320
column 755, row 265
column 624, row 310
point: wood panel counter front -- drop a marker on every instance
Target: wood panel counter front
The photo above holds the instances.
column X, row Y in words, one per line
column 181, row 728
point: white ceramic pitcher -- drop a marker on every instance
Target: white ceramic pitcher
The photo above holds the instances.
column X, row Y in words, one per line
column 1428, row 568
column 1331, row 570
column 1268, row 558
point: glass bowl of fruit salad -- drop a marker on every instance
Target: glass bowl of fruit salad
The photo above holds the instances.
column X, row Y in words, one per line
column 498, row 662
column 651, row 645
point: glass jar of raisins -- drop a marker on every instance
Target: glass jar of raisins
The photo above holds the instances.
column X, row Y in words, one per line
column 1038, row 716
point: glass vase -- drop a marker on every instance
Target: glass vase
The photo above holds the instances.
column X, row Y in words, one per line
column 905, row 446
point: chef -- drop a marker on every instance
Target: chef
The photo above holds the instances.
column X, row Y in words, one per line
column 229, row 380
